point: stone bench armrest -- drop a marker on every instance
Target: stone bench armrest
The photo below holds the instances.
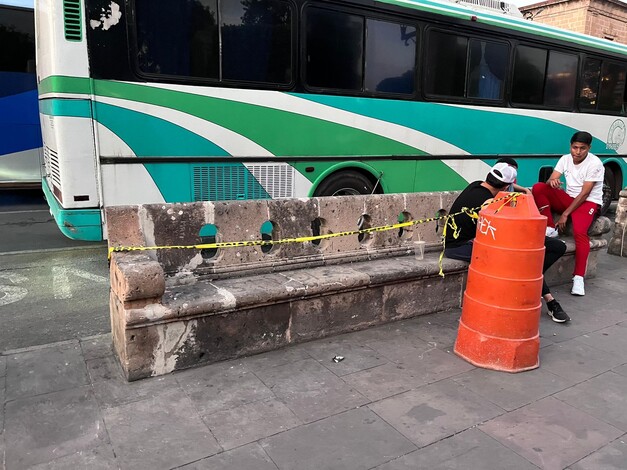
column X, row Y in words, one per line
column 136, row 276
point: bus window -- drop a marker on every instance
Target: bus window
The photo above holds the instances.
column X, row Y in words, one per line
column 261, row 32
column 488, row 65
column 445, row 64
column 17, row 37
column 590, row 79
column 334, row 48
column 459, row 67
column 561, row 80
column 390, row 57
column 186, row 47
column 612, row 87
column 529, row 72
column 190, row 46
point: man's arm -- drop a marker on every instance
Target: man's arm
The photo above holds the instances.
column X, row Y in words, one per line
column 554, row 181
column 579, row 200
column 521, row 189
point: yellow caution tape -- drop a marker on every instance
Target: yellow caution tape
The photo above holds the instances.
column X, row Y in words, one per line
column 449, row 221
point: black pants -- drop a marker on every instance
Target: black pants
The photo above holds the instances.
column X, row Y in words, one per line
column 554, row 249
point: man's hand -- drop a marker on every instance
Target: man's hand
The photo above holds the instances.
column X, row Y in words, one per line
column 555, row 183
column 561, row 223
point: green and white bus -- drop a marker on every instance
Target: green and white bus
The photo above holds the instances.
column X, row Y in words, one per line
column 147, row 101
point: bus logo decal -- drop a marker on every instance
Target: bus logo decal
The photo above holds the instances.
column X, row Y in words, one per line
column 616, row 135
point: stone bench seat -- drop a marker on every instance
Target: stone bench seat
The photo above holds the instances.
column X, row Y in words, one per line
column 225, row 318
column 222, row 296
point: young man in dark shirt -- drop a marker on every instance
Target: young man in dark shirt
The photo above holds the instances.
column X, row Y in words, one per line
column 500, row 177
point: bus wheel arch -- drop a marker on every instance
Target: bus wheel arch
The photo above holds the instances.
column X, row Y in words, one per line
column 348, row 181
column 612, row 184
column 614, row 178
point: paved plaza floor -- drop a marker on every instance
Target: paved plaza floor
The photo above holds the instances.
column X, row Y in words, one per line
column 400, row 399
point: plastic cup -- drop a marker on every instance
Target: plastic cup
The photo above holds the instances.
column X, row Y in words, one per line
column 419, row 250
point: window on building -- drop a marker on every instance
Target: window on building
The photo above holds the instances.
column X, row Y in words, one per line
column 255, row 39
column 465, row 68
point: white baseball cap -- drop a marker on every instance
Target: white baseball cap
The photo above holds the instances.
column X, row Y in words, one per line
column 504, row 173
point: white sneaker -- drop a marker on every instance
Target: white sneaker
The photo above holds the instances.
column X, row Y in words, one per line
column 552, row 232
column 578, row 286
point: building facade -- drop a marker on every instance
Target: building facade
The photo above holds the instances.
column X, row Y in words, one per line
column 601, row 18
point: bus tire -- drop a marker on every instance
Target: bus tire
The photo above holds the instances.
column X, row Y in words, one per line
column 609, row 182
column 344, row 183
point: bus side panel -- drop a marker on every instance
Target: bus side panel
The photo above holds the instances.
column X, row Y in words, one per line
column 71, row 170
column 21, row 168
column 60, row 50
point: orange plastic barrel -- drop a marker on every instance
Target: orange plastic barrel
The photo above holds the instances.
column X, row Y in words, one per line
column 499, row 327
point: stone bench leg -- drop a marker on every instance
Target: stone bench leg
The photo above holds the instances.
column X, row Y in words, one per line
column 618, row 242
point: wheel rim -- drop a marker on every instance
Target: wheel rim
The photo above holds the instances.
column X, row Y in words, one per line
column 346, row 192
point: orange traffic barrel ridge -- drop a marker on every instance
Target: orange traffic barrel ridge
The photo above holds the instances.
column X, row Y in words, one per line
column 499, row 327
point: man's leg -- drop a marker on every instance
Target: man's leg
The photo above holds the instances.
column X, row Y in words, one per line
column 462, row 252
column 554, row 249
column 549, row 199
column 582, row 218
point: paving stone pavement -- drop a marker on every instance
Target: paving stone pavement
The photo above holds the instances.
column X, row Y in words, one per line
column 399, row 400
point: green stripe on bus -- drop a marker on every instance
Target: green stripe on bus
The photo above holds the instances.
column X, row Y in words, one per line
column 280, row 132
column 179, row 181
column 63, row 84
column 65, row 107
column 150, row 136
column 462, row 127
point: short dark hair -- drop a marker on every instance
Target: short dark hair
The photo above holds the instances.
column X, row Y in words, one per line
column 492, row 181
column 582, row 137
column 509, row 160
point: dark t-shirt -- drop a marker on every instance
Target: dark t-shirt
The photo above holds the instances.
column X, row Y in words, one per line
column 471, row 197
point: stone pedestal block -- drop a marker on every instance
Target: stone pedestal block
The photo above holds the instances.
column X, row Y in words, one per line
column 618, row 242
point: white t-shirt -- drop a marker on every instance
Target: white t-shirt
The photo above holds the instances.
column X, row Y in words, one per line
column 591, row 169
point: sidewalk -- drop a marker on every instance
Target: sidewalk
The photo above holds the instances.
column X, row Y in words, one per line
column 400, row 399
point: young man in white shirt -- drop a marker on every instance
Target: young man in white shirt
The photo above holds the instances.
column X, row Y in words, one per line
column 581, row 201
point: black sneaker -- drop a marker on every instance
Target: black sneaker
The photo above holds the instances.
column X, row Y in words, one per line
column 557, row 312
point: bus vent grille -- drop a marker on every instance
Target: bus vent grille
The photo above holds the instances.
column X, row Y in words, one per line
column 51, row 162
column 72, row 20
column 225, row 182
column 276, row 178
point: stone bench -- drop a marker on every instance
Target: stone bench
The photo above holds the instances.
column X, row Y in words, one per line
column 175, row 308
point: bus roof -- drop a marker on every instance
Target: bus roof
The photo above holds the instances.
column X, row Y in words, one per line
column 503, row 20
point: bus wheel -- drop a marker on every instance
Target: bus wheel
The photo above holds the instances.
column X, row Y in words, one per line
column 344, row 183
column 609, row 182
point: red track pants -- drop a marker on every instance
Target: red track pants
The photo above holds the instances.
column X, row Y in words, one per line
column 557, row 200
